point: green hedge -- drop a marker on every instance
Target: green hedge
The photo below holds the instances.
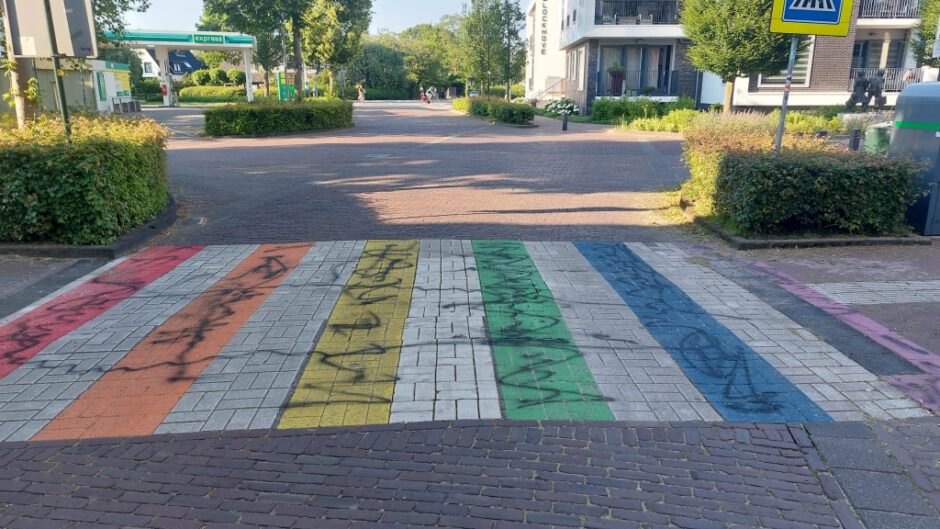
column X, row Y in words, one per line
column 800, row 191
column 675, row 121
column 212, row 94
column 111, row 180
column 259, row 119
column 628, row 110
column 497, row 110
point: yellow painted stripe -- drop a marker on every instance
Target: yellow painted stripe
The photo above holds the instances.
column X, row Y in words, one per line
column 350, row 377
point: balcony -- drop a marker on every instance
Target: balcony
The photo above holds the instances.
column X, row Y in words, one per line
column 655, row 82
column 889, row 9
column 624, row 12
column 895, row 78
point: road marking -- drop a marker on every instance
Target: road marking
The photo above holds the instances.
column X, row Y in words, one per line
column 23, row 338
column 350, row 377
column 540, row 372
column 446, row 367
column 738, row 382
column 136, row 395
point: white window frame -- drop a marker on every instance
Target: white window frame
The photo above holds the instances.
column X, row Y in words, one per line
column 581, row 65
column 809, row 71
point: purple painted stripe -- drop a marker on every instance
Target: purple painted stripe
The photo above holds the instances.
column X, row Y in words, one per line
column 923, row 388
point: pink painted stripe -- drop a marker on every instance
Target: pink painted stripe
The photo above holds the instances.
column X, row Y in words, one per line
column 923, row 388
column 26, row 336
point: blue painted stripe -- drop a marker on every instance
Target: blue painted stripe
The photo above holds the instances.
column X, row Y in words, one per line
column 738, row 382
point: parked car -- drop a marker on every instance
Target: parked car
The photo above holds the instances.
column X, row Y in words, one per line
column 474, row 93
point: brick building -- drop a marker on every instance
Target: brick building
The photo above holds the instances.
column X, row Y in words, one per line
column 614, row 48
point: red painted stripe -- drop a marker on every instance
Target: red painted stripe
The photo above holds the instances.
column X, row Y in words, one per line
column 25, row 337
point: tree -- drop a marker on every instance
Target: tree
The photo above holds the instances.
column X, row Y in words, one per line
column 268, row 54
column 202, row 77
column 266, row 16
column 109, row 16
column 218, row 77
column 924, row 37
column 333, row 32
column 236, row 77
column 425, row 53
column 490, row 40
column 732, row 38
column 380, row 64
column 267, row 33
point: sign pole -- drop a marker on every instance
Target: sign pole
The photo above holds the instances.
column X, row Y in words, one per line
column 794, row 47
column 56, row 69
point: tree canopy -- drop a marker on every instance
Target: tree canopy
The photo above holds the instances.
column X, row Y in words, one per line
column 925, row 35
column 732, row 39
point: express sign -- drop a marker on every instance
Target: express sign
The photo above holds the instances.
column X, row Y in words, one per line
column 812, row 17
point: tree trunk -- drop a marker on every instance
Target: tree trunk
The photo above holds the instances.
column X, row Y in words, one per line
column 19, row 82
column 298, row 59
column 729, row 97
column 267, row 83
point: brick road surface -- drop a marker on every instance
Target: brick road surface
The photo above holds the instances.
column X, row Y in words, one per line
column 413, row 171
column 471, row 475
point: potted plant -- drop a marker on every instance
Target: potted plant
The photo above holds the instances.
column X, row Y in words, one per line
column 649, row 90
column 616, row 73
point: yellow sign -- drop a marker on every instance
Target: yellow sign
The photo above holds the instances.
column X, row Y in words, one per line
column 812, row 17
column 122, row 83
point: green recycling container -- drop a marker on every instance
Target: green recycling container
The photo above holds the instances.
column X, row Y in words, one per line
column 878, row 138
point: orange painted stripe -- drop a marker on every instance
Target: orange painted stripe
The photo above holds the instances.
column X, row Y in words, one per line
column 138, row 393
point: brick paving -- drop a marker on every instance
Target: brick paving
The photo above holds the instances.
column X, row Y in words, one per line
column 408, row 171
column 472, row 475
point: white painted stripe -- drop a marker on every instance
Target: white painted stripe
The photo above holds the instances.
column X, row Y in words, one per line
column 445, row 371
column 33, row 394
column 881, row 292
column 841, row 387
column 640, row 379
column 246, row 385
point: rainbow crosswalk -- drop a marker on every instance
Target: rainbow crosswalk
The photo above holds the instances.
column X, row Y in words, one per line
column 346, row 333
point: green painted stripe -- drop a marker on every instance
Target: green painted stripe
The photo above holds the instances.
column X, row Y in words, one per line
column 540, row 372
column 916, row 125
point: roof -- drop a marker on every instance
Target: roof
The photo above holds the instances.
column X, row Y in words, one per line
column 181, row 61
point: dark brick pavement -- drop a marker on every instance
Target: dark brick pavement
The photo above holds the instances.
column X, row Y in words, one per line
column 412, row 171
column 484, row 474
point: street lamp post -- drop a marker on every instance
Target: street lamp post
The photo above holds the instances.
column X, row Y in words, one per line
column 57, row 72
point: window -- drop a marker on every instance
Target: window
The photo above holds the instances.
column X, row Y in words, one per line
column 148, row 68
column 574, row 16
column 801, row 70
column 580, row 66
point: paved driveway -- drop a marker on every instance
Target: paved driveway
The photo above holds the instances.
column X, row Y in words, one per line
column 417, row 171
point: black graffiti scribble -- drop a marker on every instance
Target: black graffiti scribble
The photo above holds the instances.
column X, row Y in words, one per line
column 252, row 283
column 368, row 286
column 514, row 292
column 699, row 350
column 19, row 344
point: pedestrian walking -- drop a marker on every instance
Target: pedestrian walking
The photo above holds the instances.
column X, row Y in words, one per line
column 362, row 92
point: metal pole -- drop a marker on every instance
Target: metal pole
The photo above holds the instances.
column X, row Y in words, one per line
column 794, row 46
column 56, row 66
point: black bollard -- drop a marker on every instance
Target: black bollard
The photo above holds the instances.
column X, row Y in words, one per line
column 855, row 142
column 564, row 122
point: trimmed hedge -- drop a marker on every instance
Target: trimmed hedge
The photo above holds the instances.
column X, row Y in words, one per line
column 761, row 193
column 213, row 94
column 260, row 119
column 111, row 180
column 628, row 110
column 812, row 187
column 497, row 110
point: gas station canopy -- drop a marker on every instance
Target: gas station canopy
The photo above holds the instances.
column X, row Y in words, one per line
column 164, row 41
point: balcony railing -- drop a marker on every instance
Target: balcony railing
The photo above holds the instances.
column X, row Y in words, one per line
column 889, row 9
column 637, row 12
column 895, row 78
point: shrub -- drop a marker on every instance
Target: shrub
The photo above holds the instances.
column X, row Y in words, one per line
column 259, row 119
column 807, row 123
column 148, row 90
column 760, row 193
column 111, row 180
column 236, row 77
column 212, row 94
column 562, row 106
column 218, row 76
column 709, row 137
column 496, row 110
column 675, row 121
column 384, row 94
column 627, row 110
column 202, row 77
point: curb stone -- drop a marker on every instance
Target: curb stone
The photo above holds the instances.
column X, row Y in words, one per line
column 124, row 245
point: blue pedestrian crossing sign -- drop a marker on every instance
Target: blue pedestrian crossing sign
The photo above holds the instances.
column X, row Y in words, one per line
column 812, row 17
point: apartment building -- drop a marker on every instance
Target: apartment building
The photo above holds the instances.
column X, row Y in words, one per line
column 615, row 48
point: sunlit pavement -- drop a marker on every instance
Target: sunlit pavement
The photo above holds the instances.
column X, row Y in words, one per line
column 497, row 380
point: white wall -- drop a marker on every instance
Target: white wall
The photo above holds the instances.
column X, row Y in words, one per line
column 713, row 89
column 545, row 61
